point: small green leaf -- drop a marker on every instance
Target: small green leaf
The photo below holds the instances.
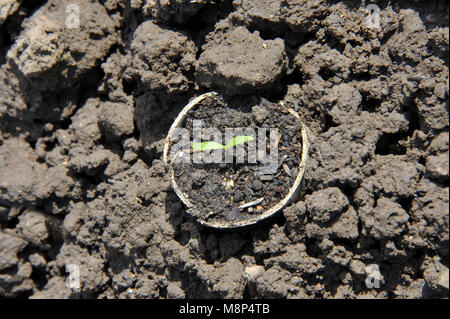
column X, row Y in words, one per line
column 205, row 146
column 210, row 145
column 241, row 139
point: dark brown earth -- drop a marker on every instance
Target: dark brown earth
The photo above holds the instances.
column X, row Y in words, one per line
column 84, row 114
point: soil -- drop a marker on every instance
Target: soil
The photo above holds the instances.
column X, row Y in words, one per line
column 222, row 191
column 84, row 113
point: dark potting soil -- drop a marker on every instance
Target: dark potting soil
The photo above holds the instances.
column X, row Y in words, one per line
column 239, row 191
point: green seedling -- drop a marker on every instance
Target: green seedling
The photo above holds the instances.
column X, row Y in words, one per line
column 210, row 145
